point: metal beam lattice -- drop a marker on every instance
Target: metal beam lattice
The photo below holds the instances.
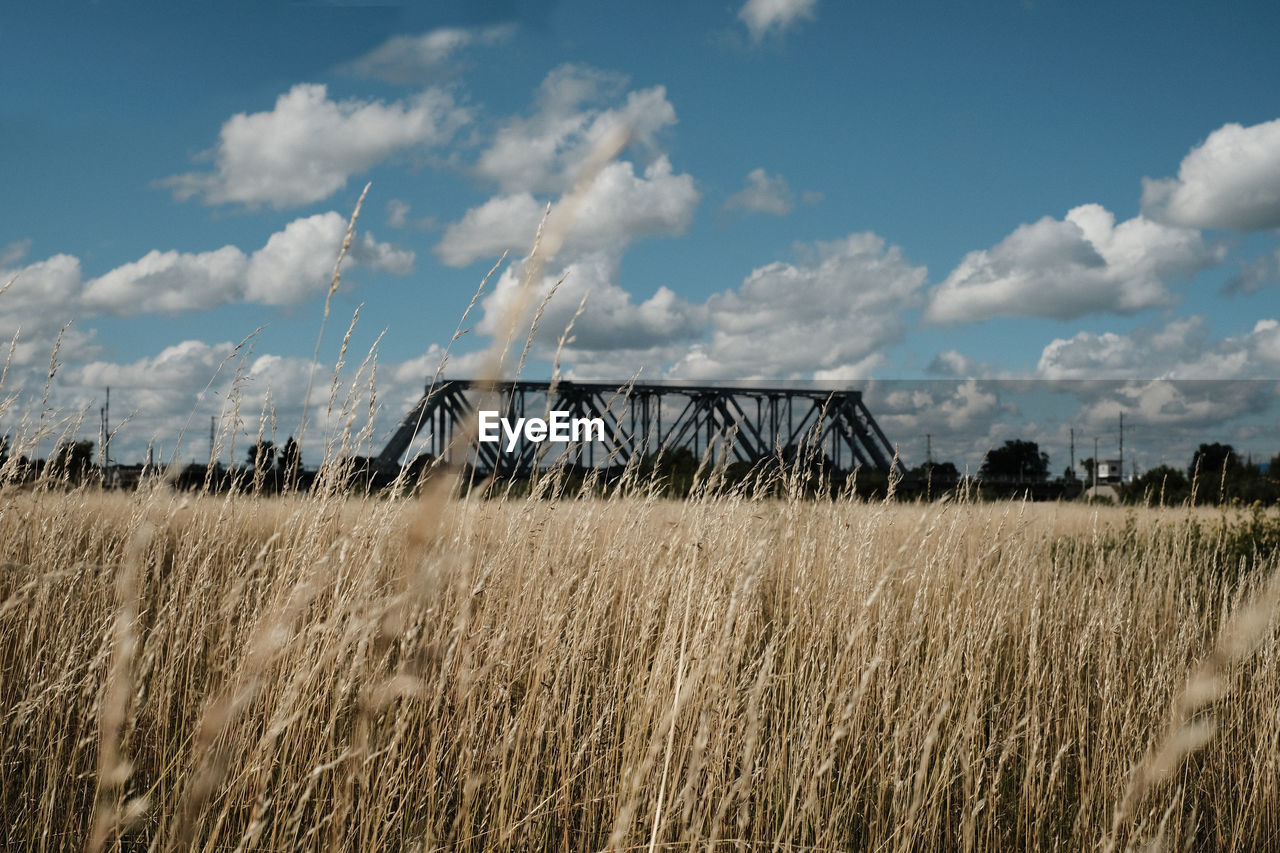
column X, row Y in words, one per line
column 751, row 425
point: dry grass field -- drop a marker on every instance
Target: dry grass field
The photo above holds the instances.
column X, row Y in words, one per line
column 324, row 673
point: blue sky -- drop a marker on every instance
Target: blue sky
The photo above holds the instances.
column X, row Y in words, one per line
column 861, row 192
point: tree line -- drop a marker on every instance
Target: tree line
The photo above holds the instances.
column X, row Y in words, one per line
column 1215, row 474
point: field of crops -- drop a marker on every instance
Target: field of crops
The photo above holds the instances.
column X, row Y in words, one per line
column 244, row 673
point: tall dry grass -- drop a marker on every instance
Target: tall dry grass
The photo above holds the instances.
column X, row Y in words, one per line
column 241, row 673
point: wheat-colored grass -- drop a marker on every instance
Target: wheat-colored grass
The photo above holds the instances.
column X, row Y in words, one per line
column 223, row 673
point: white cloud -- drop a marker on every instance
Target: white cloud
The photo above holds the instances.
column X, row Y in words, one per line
column 425, row 58
column 1082, row 264
column 298, row 262
column 542, row 153
column 413, row 374
column 968, row 406
column 40, row 301
column 611, row 320
column 187, row 365
column 1204, row 410
column 169, row 282
column 1182, row 349
column 765, row 16
column 619, row 208
column 964, row 418
column 307, row 147
column 295, row 263
column 1231, row 180
column 503, row 223
column 38, row 289
column 829, row 316
column 839, row 305
column 50, row 299
column 763, row 194
column 174, row 393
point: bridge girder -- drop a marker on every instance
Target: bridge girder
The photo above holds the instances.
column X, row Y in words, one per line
column 752, row 424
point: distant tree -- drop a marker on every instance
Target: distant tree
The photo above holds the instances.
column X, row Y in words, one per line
column 1214, row 460
column 291, row 461
column 936, row 477
column 262, row 455
column 1017, row 461
column 72, row 461
column 944, row 473
column 1222, row 476
column 1161, row 486
column 4, row 449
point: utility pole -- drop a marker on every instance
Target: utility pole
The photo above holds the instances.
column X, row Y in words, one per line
column 1095, row 463
column 104, row 437
column 1073, row 451
column 212, row 436
column 1122, row 447
column 928, row 457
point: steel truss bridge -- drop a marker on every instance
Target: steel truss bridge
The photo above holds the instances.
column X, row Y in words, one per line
column 737, row 424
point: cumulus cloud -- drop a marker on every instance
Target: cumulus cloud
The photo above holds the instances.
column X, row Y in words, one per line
column 40, row 301
column 1082, row 264
column 308, row 146
column 1231, row 180
column 52, row 297
column 542, row 153
column 187, row 365
column 763, row 194
column 169, row 397
column 38, row 287
column 964, row 418
column 1174, row 412
column 619, row 208
column 763, row 17
column 840, row 304
column 502, row 223
column 169, row 282
column 425, row 58
column 413, row 374
column 295, row 263
column 611, row 320
column 298, row 262
column 829, row 315
column 1182, row 349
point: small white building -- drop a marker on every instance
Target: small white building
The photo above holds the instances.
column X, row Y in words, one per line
column 1109, row 471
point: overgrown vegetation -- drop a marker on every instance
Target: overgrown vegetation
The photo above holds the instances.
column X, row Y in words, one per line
column 239, row 672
